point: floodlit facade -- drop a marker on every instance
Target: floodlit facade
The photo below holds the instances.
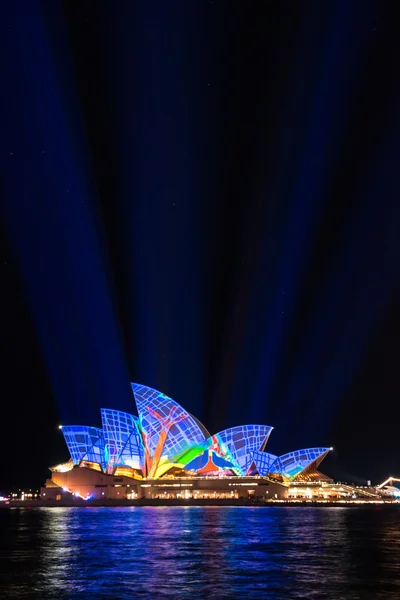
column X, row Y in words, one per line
column 167, row 447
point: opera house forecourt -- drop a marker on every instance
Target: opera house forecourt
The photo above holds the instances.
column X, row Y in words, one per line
column 166, row 454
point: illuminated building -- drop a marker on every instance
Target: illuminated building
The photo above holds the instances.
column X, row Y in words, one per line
column 166, row 451
column 390, row 487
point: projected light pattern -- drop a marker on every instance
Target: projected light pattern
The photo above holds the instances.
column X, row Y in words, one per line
column 159, row 413
column 122, row 439
column 263, row 461
column 166, row 438
column 84, row 443
column 211, row 461
column 242, row 440
column 291, row 464
column 215, row 455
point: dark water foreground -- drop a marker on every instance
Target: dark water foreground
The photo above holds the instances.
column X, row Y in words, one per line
column 200, row 553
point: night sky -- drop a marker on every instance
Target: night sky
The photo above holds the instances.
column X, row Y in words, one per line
column 203, row 197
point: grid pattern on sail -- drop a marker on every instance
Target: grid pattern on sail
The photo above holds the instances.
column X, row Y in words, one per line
column 159, row 413
column 243, row 440
column 122, row 438
column 263, row 461
column 84, row 443
column 292, row 463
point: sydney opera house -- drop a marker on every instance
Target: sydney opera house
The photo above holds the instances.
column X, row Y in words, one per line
column 165, row 452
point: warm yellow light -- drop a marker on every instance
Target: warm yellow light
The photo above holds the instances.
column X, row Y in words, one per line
column 60, row 427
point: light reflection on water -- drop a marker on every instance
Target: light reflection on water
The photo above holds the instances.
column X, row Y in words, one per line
column 200, row 553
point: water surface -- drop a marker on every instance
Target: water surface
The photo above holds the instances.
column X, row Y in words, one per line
column 200, row 553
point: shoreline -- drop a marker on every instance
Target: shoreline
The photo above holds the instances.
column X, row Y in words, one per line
column 144, row 502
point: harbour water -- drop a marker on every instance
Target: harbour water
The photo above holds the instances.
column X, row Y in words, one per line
column 200, row 553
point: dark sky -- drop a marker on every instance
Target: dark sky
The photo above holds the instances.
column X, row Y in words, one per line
column 202, row 197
